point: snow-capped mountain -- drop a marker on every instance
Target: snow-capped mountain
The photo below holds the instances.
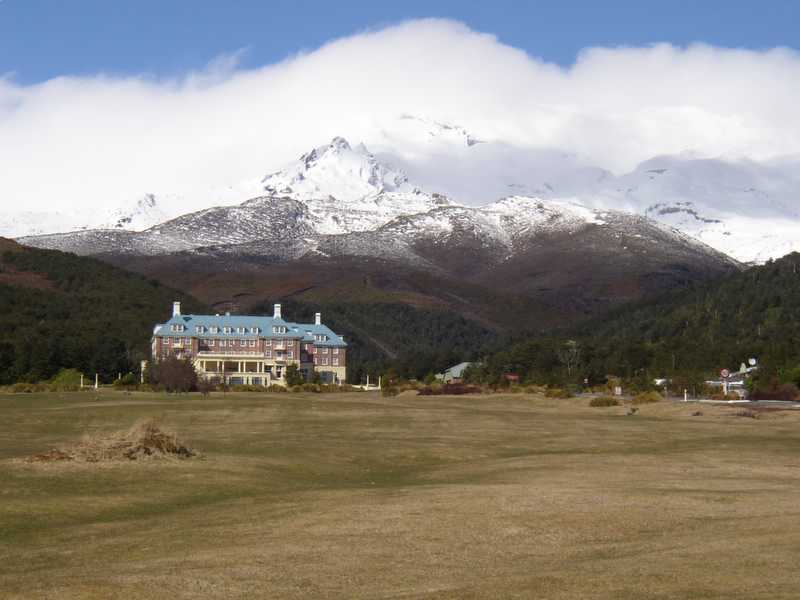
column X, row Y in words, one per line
column 136, row 216
column 341, row 201
column 748, row 210
column 348, row 189
column 745, row 209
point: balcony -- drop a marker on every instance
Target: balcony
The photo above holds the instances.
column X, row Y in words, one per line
column 229, row 352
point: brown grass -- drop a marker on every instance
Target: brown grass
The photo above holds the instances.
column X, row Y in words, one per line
column 142, row 441
column 356, row 496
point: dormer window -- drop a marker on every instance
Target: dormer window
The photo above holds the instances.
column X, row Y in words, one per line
column 320, row 337
column 227, row 329
column 240, row 330
column 255, row 330
column 177, row 328
column 200, row 329
column 279, row 329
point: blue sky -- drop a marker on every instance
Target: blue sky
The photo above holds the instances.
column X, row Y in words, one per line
column 41, row 39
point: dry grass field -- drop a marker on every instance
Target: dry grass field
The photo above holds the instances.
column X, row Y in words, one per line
column 356, row 496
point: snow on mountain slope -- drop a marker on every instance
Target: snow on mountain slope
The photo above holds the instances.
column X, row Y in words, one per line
column 348, row 189
column 340, row 190
column 136, row 216
column 748, row 210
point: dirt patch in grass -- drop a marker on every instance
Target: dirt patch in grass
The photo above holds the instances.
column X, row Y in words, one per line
column 145, row 440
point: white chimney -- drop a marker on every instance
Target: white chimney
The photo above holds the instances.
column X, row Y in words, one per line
column 277, row 311
column 318, row 318
column 176, row 309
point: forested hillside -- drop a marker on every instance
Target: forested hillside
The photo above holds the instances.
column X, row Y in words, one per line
column 58, row 310
column 383, row 335
column 697, row 331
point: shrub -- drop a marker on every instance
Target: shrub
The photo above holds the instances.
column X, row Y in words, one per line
column 274, row 387
column 558, row 393
column 66, row 380
column 787, row 392
column 646, row 398
column 250, row 388
column 174, row 375
column 389, row 392
column 721, row 396
column 205, row 387
column 126, row 382
column 454, row 389
column 601, row 401
column 293, row 376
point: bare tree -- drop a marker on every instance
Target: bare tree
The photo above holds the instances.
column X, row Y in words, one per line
column 570, row 355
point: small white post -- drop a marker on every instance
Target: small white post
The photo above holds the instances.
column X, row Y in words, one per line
column 380, row 378
column 367, row 380
column 96, row 381
column 81, row 380
column 685, row 395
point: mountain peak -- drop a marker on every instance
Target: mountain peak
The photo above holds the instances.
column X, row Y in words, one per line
column 338, row 171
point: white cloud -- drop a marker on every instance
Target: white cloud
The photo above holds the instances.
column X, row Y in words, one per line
column 102, row 141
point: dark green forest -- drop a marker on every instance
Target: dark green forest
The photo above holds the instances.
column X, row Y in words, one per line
column 58, row 310
column 692, row 333
column 412, row 341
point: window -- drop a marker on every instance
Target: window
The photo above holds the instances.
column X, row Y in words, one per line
column 324, row 361
column 335, row 362
column 213, row 329
column 290, row 354
column 212, row 342
column 279, row 329
column 223, row 343
column 307, row 347
column 242, row 343
column 268, row 342
column 240, row 330
column 335, row 351
column 268, row 353
column 187, row 341
column 255, row 330
column 227, row 329
column 324, row 350
column 252, row 343
column 319, row 337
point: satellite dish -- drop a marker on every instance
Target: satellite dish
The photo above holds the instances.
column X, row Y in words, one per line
column 752, row 362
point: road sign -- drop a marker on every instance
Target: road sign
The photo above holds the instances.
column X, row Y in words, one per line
column 725, row 373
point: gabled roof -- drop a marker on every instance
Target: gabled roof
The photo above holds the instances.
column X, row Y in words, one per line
column 457, row 370
column 297, row 331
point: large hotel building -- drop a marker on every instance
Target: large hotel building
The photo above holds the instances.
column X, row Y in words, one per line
column 251, row 350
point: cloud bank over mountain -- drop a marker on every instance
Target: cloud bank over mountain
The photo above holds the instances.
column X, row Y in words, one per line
column 91, row 142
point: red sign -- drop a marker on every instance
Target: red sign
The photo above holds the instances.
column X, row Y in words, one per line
column 725, row 373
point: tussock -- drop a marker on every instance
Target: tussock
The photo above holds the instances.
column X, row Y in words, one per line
column 144, row 440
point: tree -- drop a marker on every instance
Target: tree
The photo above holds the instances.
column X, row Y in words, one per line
column 294, row 376
column 570, row 355
column 174, row 375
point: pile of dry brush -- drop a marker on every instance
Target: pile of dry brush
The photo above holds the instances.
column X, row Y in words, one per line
column 144, row 440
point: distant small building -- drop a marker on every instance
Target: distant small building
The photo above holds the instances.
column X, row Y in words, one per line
column 454, row 374
column 511, row 377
